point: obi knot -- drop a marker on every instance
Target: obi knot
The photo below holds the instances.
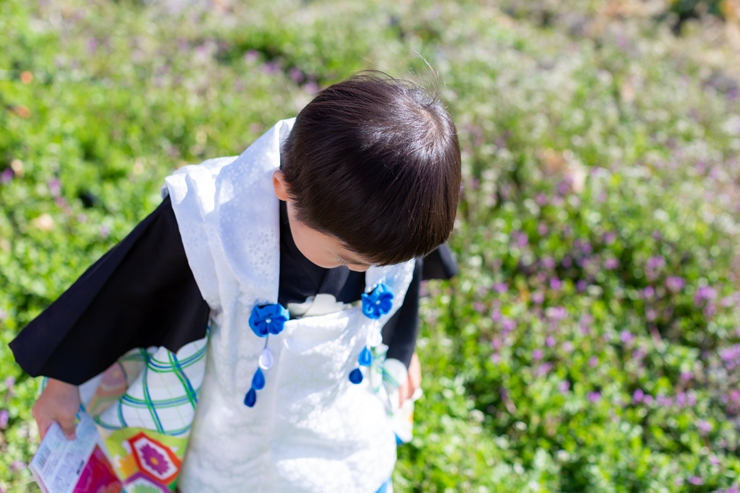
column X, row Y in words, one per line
column 378, row 302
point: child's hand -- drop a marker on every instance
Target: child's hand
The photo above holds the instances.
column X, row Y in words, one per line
column 58, row 402
column 413, row 382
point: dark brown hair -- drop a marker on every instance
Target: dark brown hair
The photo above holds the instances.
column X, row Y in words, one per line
column 375, row 162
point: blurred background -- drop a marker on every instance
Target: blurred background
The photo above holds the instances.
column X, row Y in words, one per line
column 592, row 340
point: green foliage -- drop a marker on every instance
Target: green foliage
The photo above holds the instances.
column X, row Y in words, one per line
column 590, row 342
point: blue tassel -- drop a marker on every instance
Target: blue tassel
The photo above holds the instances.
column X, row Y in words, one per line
column 258, row 380
column 366, row 358
column 355, row 376
column 251, row 398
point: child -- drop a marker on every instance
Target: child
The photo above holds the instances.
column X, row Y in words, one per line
column 267, row 278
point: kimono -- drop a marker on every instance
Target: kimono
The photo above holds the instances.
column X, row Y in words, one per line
column 271, row 372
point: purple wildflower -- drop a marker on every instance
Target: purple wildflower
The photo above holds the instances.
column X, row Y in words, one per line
column 251, row 56
column 541, row 199
column 648, row 293
column 638, row 396
column 104, row 231
column 581, row 286
column 270, row 68
column 4, row 419
column 537, row 354
column 548, row 263
column 663, row 401
column 696, row 480
column 593, row 361
column 544, row 369
column 296, row 75
column 7, row 175
column 500, row 287
column 542, row 229
column 681, row 399
column 674, row 283
column 92, row 45
column 626, row 337
column 310, row 88
column 609, row 237
column 611, row 263
column 704, row 426
column 653, row 267
column 9, row 382
column 495, row 314
column 555, row 284
column 686, row 376
column 647, row 399
column 568, row 347
column 703, row 294
column 564, row 386
column 538, row 297
column 479, row 307
column 550, row 341
column 556, row 312
column 508, row 324
column 566, row 262
column 594, row 396
column 691, row 398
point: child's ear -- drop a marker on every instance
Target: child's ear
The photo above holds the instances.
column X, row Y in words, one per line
column 281, row 186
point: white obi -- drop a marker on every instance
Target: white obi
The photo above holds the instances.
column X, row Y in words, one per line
column 311, row 429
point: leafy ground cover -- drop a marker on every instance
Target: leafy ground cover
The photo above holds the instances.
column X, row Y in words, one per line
column 592, row 339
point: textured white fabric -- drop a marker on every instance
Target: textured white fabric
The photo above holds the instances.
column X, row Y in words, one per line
column 311, row 430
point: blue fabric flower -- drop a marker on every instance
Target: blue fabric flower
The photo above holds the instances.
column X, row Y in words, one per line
column 378, row 302
column 268, row 319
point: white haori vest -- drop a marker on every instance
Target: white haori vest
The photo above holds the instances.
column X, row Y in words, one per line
column 311, row 429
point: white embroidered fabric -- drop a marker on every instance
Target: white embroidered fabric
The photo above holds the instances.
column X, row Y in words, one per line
column 311, row 429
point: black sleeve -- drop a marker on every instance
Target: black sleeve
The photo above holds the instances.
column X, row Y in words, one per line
column 139, row 294
column 401, row 331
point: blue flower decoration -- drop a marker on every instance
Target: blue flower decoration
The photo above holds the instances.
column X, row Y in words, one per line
column 268, row 319
column 378, row 302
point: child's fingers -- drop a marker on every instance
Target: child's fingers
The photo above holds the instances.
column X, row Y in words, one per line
column 68, row 428
column 43, row 424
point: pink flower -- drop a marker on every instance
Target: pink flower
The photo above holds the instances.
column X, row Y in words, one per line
column 704, row 427
column 593, row 361
column 696, row 480
column 537, row 354
column 674, row 283
column 500, row 287
column 564, row 386
column 638, row 396
column 154, row 459
column 594, row 396
column 626, row 337
column 508, row 324
column 611, row 263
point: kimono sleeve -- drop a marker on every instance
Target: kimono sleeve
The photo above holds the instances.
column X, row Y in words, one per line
column 139, row 294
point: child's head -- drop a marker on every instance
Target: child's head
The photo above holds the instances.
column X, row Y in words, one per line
column 375, row 163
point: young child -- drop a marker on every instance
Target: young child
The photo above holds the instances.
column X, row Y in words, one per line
column 259, row 289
